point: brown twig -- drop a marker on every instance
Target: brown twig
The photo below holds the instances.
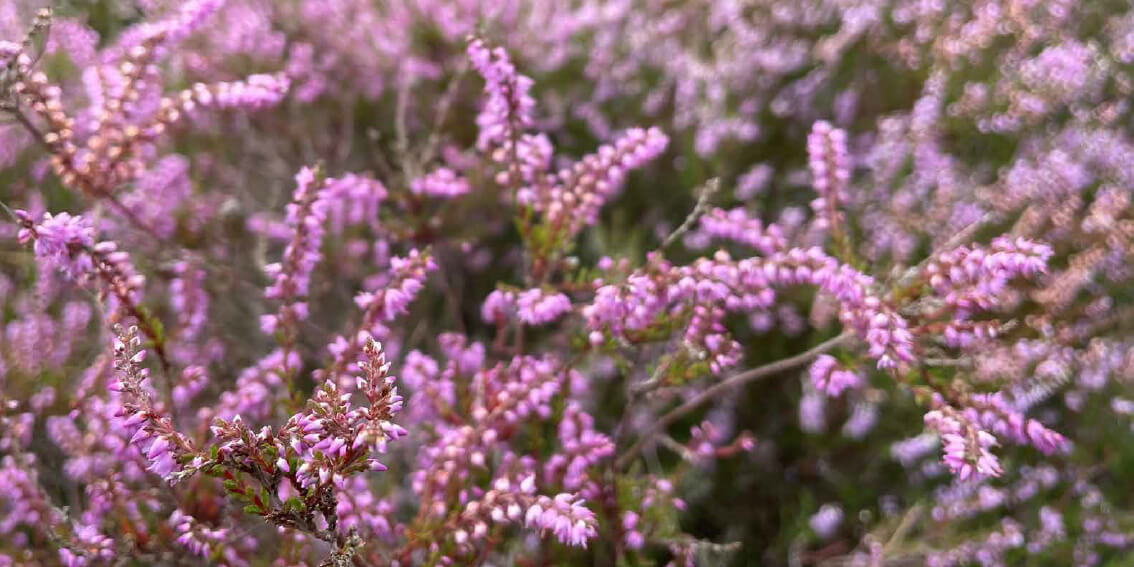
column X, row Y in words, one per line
column 725, row 385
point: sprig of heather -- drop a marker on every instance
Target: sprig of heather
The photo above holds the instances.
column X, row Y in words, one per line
column 201, row 540
column 317, row 451
column 830, row 175
column 332, row 439
column 291, row 277
column 508, row 102
column 995, row 414
column 113, row 153
column 407, row 277
column 966, row 445
column 515, row 501
column 648, row 297
column 441, row 183
column 582, row 448
column 533, row 307
column 512, row 395
column 189, row 300
column 736, row 225
column 580, row 191
column 66, row 243
column 154, row 433
column 829, row 377
column 258, row 389
column 504, row 116
column 971, row 278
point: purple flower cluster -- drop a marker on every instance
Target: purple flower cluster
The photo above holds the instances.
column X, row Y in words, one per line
column 330, row 439
column 830, row 171
column 407, row 277
column 993, row 413
column 508, row 104
column 565, row 516
column 199, row 539
column 970, row 278
column 64, row 242
column 574, row 198
column 582, row 449
column 965, row 445
column 291, row 278
column 441, row 183
column 735, row 225
column 830, row 378
column 646, row 298
column 532, row 306
column 826, row 521
column 61, row 242
column 153, row 431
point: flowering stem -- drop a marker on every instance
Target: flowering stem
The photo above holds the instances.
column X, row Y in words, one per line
column 725, row 385
column 108, row 196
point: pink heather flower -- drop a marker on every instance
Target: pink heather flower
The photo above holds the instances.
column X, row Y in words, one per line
column 61, row 242
column 352, row 200
column 188, row 17
column 193, row 380
column 258, row 388
column 753, row 182
column 828, row 377
column 862, row 420
column 359, row 509
column 91, row 546
column 582, row 448
column 992, row 412
column 565, row 516
column 152, row 430
column 188, row 298
column 737, row 226
column 198, row 538
column 332, row 434
column 582, row 189
column 508, row 104
column 64, row 242
column 826, row 520
column 407, row 279
column 442, row 183
column 830, row 171
column 538, row 307
column 631, row 536
column 159, row 193
column 499, row 306
column 748, row 285
column 812, row 413
column 253, row 93
column 966, row 446
column 972, row 278
column 306, row 216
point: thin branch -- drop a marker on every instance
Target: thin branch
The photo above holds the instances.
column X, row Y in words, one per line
column 706, row 191
column 723, row 386
column 443, row 108
column 908, row 521
column 964, row 362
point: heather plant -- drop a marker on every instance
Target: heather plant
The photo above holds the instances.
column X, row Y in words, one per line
column 548, row 282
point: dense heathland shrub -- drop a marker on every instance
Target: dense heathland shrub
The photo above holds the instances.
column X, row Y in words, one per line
column 547, row 282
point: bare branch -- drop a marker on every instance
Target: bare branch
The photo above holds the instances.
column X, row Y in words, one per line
column 723, row 386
